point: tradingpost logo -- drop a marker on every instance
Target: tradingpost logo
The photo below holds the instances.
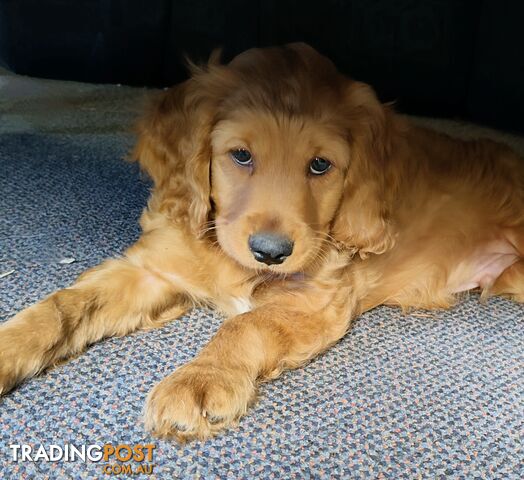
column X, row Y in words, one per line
column 121, row 459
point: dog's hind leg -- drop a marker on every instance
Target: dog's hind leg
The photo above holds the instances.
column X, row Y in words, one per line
column 511, row 282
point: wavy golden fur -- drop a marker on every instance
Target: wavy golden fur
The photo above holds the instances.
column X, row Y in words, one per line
column 404, row 216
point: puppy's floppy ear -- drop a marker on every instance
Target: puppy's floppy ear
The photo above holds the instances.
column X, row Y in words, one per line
column 174, row 149
column 363, row 221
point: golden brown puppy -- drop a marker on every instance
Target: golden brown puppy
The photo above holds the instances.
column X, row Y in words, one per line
column 287, row 197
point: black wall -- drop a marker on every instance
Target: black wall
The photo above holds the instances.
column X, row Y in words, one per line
column 454, row 58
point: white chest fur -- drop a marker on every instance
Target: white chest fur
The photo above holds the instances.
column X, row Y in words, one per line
column 241, row 305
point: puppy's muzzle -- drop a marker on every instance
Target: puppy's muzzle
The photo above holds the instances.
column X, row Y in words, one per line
column 270, row 248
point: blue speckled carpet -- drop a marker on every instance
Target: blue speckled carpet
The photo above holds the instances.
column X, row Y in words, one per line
column 428, row 395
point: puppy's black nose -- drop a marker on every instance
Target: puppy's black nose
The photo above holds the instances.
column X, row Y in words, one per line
column 270, row 248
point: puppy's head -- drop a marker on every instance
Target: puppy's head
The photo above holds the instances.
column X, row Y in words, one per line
column 263, row 151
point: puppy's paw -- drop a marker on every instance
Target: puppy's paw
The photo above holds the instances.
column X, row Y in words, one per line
column 26, row 343
column 197, row 401
column 6, row 380
column 11, row 360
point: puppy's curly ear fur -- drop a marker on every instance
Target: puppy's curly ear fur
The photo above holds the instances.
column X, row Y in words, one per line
column 363, row 222
column 174, row 148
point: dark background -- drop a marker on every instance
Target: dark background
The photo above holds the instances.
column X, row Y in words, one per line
column 453, row 58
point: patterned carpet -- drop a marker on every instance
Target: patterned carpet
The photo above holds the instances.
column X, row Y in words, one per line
column 427, row 395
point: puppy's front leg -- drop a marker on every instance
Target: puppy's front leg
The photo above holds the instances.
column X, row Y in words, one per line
column 115, row 298
column 216, row 388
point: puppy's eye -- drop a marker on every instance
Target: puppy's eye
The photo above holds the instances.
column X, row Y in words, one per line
column 319, row 166
column 242, row 157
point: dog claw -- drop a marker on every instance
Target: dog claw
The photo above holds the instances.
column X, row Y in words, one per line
column 181, row 428
column 214, row 419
